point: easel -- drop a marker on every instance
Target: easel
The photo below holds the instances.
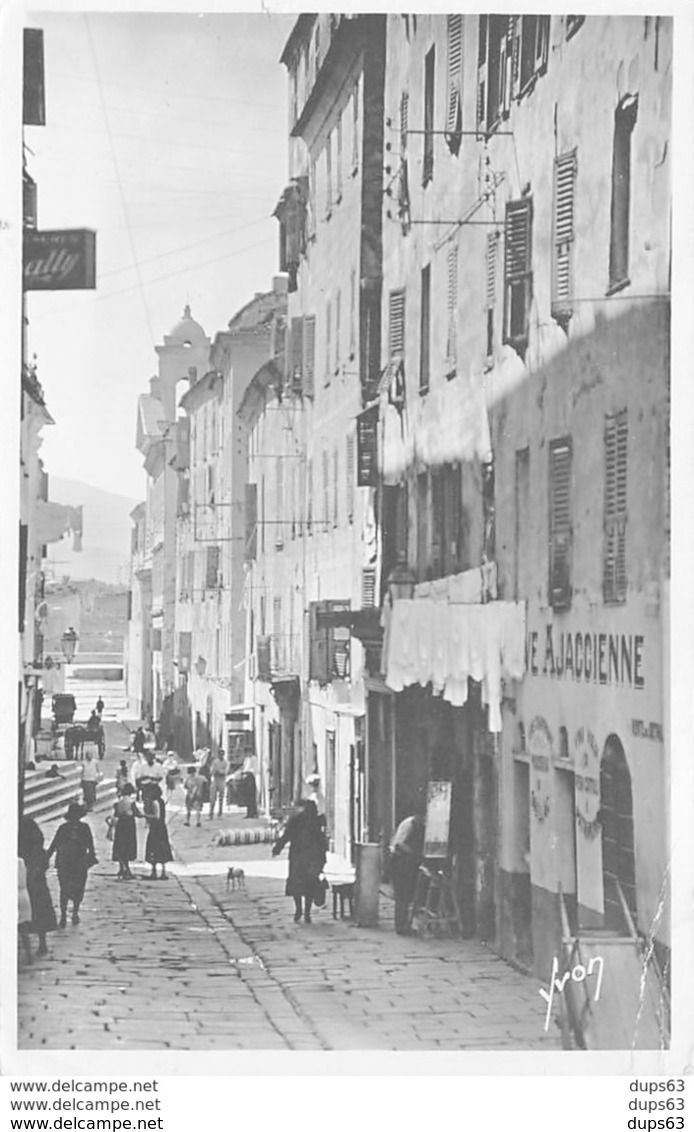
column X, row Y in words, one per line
column 434, row 909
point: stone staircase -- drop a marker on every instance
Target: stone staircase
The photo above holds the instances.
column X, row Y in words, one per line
column 47, row 799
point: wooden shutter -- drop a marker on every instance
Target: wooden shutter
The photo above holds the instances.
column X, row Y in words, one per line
column 454, row 120
column 425, row 330
column 438, row 522
column 350, row 478
column 277, row 656
column 318, row 639
column 251, row 516
column 355, row 128
column 490, row 265
column 396, row 324
column 560, row 523
column 483, row 75
column 404, row 120
column 453, row 518
column 452, row 308
column 517, row 272
column 263, row 652
column 212, row 568
column 368, row 588
column 542, row 30
column 309, row 497
column 614, row 553
column 563, row 226
column 279, row 502
column 326, row 489
column 338, row 303
column 296, row 352
column 309, row 358
column 352, row 313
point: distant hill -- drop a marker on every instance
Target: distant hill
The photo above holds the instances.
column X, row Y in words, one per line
column 105, row 553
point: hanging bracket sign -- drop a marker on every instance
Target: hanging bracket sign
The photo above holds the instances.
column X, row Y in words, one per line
column 367, row 448
column 59, row 260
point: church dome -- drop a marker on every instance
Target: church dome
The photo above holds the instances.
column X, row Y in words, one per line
column 187, row 331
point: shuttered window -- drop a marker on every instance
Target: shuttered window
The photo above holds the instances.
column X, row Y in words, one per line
column 452, row 309
column 560, row 528
column 296, row 352
column 338, row 159
column 624, row 122
column 309, row 358
column 279, row 503
column 494, row 55
column 251, row 517
column 404, row 121
column 328, row 175
column 350, row 478
column 309, row 497
column 491, row 257
column 353, row 314
column 518, row 273
column 212, row 579
column 326, row 490
column 614, row 548
column 396, row 324
column 263, row 657
column 429, row 86
column 454, row 112
column 425, row 331
column 563, row 236
column 277, row 638
column 328, row 340
column 368, row 588
column 355, row 129
column 338, row 303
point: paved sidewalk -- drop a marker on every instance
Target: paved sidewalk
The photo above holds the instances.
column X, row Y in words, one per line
column 186, row 964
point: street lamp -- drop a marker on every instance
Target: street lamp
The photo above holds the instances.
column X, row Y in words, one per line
column 68, row 642
column 401, row 581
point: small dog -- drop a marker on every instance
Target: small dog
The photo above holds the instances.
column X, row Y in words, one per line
column 236, row 878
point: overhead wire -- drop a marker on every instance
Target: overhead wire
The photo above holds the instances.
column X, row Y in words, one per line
column 117, row 172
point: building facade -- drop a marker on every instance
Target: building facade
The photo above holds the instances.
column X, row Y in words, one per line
column 523, row 444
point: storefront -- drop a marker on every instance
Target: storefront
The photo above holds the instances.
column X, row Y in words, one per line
column 583, row 791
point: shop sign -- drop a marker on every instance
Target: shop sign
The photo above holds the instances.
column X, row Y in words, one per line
column 540, row 750
column 592, row 658
column 367, row 448
column 642, row 730
column 60, row 260
column 587, row 782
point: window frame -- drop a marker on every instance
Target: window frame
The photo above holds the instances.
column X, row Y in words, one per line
column 429, row 106
column 560, row 524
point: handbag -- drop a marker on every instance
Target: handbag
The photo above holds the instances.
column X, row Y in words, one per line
column 110, row 828
column 319, row 893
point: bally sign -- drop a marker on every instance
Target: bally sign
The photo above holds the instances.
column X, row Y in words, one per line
column 62, row 260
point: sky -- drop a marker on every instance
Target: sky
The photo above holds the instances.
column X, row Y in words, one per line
column 166, row 133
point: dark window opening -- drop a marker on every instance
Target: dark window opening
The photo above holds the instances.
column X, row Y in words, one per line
column 624, row 122
column 429, row 75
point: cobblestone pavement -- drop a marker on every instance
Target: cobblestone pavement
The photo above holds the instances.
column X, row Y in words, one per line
column 186, row 964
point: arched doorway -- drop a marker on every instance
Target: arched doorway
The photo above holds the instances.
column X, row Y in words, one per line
column 617, row 817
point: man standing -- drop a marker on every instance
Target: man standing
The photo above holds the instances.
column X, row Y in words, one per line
column 91, row 776
column 218, row 780
column 406, row 855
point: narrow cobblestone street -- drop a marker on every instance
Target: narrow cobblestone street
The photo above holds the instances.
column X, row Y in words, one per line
column 186, row 964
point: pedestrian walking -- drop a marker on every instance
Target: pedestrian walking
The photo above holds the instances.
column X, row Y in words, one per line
column 406, row 848
column 317, row 796
column 23, row 909
column 194, row 786
column 158, row 847
column 250, row 794
column 307, row 854
column 138, row 743
column 73, row 846
column 125, row 832
column 91, row 776
column 172, row 773
column 35, row 858
column 122, row 777
column 99, row 706
column 218, row 780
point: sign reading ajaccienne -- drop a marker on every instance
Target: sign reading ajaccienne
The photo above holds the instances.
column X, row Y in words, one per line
column 59, row 260
column 596, row 658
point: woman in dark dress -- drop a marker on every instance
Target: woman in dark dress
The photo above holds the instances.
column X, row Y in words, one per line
column 73, row 846
column 124, row 832
column 158, row 847
column 307, row 853
column 35, row 858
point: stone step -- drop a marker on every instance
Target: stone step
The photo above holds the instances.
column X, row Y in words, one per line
column 50, row 808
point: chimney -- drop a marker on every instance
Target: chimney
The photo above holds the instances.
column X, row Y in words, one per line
column 279, row 284
column 155, row 387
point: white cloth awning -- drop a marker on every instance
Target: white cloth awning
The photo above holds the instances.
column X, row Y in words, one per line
column 445, row 643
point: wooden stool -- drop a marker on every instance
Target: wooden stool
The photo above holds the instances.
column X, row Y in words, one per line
column 343, row 891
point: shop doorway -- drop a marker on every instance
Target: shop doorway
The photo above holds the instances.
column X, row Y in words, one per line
column 617, row 818
column 330, row 785
column 274, row 749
